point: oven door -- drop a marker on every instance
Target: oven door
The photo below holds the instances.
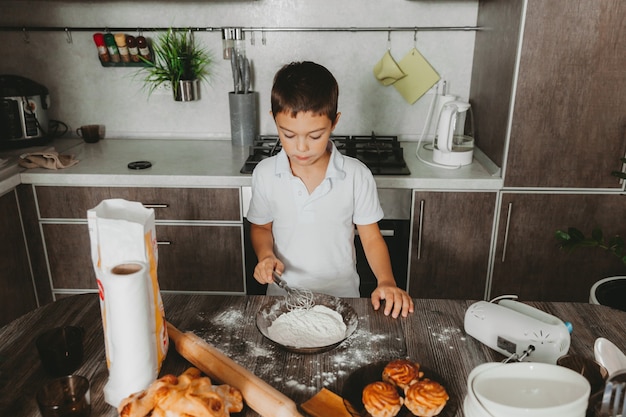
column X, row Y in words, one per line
column 396, row 235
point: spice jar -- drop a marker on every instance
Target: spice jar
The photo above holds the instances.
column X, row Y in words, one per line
column 120, row 41
column 103, row 53
column 109, row 41
column 133, row 51
column 144, row 50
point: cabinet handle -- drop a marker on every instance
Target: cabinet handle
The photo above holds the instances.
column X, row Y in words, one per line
column 419, row 233
column 506, row 231
column 164, row 242
column 155, row 205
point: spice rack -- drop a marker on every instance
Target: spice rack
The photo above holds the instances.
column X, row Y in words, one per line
column 123, row 64
column 122, row 50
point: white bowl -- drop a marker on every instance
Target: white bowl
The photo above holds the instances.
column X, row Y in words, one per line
column 529, row 389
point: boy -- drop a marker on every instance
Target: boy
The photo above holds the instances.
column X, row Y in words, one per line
column 307, row 199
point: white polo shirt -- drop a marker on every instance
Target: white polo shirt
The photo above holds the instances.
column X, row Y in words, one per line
column 314, row 234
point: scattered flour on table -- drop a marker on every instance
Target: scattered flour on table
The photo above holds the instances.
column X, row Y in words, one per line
column 233, row 345
column 319, row 326
column 228, row 318
column 361, row 348
column 446, row 334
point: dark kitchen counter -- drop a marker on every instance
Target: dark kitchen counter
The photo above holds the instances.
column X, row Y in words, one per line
column 434, row 336
column 211, row 163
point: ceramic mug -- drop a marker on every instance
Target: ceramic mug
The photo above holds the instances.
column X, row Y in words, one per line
column 91, row 133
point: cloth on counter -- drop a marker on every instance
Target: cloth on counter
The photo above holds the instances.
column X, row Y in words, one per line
column 48, row 158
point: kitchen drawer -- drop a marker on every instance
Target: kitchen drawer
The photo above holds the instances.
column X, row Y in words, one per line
column 211, row 204
column 201, row 258
column 191, row 258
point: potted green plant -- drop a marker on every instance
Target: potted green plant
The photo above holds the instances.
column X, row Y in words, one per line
column 180, row 62
column 573, row 238
column 609, row 290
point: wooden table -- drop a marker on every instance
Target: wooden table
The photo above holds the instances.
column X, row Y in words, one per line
column 433, row 336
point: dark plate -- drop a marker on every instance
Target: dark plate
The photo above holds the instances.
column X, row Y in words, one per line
column 353, row 389
column 273, row 309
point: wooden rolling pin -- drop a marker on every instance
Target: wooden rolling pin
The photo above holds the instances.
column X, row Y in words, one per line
column 259, row 395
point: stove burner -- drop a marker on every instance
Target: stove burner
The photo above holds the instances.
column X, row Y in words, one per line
column 383, row 155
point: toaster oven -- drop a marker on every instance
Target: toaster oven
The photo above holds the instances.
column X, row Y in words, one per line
column 23, row 112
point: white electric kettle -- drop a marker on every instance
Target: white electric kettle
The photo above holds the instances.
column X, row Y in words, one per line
column 454, row 141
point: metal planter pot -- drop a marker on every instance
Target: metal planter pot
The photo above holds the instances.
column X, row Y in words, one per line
column 187, row 90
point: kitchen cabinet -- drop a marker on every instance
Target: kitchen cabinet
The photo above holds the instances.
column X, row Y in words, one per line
column 16, row 281
column 528, row 262
column 199, row 233
column 567, row 124
column 450, row 243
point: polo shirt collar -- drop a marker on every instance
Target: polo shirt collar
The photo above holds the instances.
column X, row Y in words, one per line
column 334, row 169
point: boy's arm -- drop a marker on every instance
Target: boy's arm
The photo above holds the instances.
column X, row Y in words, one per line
column 263, row 244
column 396, row 300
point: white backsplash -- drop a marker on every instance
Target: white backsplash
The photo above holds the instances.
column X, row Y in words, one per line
column 83, row 92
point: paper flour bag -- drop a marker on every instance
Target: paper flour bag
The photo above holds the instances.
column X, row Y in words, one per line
column 124, row 255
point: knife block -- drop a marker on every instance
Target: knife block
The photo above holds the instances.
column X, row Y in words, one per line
column 244, row 117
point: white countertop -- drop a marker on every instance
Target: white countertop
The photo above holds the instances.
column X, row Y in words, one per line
column 211, row 163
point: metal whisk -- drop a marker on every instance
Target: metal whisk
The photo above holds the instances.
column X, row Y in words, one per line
column 296, row 298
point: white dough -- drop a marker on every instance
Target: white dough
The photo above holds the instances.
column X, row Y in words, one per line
column 319, row 326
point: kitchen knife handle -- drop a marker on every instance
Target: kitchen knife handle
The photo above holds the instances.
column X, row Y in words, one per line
column 246, row 75
column 235, row 69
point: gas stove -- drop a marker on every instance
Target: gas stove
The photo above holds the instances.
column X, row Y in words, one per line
column 383, row 155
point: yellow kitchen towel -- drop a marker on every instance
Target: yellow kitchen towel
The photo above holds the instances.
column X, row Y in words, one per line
column 49, row 159
column 420, row 76
column 387, row 70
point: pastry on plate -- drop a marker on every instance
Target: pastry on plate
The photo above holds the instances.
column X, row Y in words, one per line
column 402, row 373
column 381, row 399
column 188, row 395
column 425, row 398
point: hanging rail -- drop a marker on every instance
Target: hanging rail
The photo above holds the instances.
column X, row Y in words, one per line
column 245, row 29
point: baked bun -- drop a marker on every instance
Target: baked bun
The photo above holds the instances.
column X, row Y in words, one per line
column 402, row 373
column 381, row 399
column 188, row 395
column 425, row 398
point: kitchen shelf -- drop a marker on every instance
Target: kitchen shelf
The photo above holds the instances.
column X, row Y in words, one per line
column 124, row 64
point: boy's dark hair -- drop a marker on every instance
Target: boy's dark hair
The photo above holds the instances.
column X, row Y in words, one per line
column 303, row 87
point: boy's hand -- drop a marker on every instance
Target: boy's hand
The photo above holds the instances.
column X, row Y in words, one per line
column 263, row 271
column 396, row 300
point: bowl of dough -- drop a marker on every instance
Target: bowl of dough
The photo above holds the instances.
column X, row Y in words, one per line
column 319, row 329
